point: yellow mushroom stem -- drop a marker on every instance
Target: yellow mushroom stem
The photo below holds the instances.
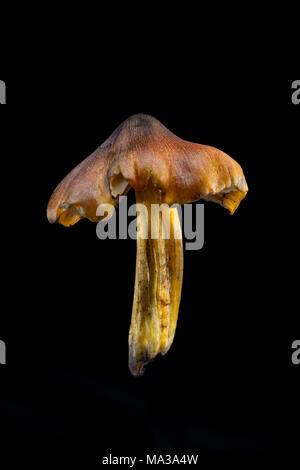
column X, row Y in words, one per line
column 158, row 280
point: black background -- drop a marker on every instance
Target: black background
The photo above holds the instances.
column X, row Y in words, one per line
column 228, row 383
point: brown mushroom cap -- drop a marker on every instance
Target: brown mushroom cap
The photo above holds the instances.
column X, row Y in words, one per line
column 140, row 149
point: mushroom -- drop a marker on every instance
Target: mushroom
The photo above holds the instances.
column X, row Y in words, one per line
column 163, row 169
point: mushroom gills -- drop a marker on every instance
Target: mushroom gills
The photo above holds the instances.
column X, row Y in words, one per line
column 158, row 281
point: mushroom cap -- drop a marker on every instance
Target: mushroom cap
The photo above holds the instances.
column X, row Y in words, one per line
column 139, row 150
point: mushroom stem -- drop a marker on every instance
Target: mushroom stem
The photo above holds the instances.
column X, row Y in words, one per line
column 158, row 281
